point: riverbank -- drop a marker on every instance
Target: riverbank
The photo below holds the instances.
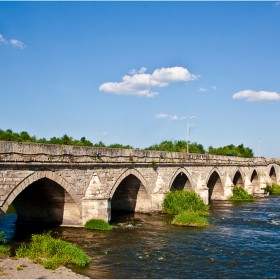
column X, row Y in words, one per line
column 23, row 268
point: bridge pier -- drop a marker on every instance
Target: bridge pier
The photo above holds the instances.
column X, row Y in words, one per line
column 96, row 209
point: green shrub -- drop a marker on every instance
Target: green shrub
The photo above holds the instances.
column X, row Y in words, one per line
column 272, row 189
column 56, row 251
column 182, row 200
column 4, row 250
column 240, row 194
column 98, row 224
column 185, row 218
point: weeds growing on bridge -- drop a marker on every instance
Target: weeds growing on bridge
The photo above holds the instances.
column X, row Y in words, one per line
column 188, row 208
column 239, row 194
column 98, row 224
column 272, row 189
column 51, row 252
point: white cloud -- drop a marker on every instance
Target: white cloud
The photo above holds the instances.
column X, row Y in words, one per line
column 17, row 43
column 174, row 118
column 277, row 4
column 141, row 83
column 213, row 87
column 202, row 89
column 161, row 116
column 253, row 96
column 102, row 134
column 2, row 40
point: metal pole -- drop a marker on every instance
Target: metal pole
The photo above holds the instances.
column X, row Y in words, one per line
column 188, row 130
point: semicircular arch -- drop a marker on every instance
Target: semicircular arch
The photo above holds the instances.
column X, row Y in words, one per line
column 178, row 171
column 22, row 185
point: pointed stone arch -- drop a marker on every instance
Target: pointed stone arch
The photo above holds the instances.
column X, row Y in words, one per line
column 215, row 185
column 125, row 174
column 130, row 193
column 27, row 181
column 238, row 179
column 272, row 174
column 183, row 183
column 255, row 180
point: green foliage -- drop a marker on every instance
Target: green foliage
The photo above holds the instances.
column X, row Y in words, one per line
column 185, row 218
column 98, row 224
column 177, row 201
column 238, row 151
column 11, row 209
column 4, row 252
column 56, row 251
column 240, row 194
column 272, row 189
column 154, row 164
column 120, row 146
column 178, row 146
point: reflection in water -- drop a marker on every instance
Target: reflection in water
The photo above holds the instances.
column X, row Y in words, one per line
column 243, row 241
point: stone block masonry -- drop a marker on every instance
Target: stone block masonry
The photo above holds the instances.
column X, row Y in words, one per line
column 67, row 185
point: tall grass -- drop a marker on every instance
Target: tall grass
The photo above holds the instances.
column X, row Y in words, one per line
column 51, row 252
column 185, row 218
column 187, row 207
column 4, row 250
column 272, row 189
column 182, row 200
column 239, row 194
column 98, row 224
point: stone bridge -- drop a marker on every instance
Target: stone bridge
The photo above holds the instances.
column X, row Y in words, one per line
column 67, row 185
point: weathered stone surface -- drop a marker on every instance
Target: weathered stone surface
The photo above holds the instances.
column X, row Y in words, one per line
column 90, row 180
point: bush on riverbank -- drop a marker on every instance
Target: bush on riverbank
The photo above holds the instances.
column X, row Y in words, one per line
column 183, row 200
column 98, row 224
column 185, row 218
column 188, row 208
column 272, row 189
column 56, row 252
column 4, row 250
column 239, row 194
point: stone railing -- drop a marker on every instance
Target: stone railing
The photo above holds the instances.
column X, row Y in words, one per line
column 16, row 152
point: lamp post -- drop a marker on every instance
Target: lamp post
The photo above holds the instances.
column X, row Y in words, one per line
column 189, row 128
column 260, row 145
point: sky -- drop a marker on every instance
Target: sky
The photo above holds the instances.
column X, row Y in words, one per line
column 133, row 72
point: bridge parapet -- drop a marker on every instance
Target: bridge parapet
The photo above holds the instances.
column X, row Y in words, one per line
column 11, row 152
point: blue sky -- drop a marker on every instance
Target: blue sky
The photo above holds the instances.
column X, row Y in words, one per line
column 131, row 72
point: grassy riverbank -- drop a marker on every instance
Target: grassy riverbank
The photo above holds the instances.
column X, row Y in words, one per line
column 187, row 207
column 98, row 224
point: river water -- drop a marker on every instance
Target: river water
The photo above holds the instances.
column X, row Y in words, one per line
column 243, row 241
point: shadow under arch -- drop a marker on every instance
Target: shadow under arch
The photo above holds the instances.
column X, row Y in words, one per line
column 181, row 180
column 215, row 185
column 272, row 174
column 254, row 179
column 45, row 198
column 129, row 193
column 238, row 179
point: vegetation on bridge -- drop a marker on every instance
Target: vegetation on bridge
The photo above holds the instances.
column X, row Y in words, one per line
column 272, row 189
column 239, row 194
column 187, row 207
column 168, row 146
column 51, row 252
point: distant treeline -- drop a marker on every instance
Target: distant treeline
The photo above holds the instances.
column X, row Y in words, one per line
column 169, row 146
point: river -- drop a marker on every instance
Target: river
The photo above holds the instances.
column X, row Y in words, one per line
column 243, row 241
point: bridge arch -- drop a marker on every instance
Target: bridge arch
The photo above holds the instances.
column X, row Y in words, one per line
column 215, row 185
column 130, row 193
column 255, row 180
column 237, row 179
column 272, row 174
column 181, row 179
column 44, row 197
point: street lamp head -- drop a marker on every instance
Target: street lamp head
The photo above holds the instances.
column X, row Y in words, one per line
column 192, row 116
